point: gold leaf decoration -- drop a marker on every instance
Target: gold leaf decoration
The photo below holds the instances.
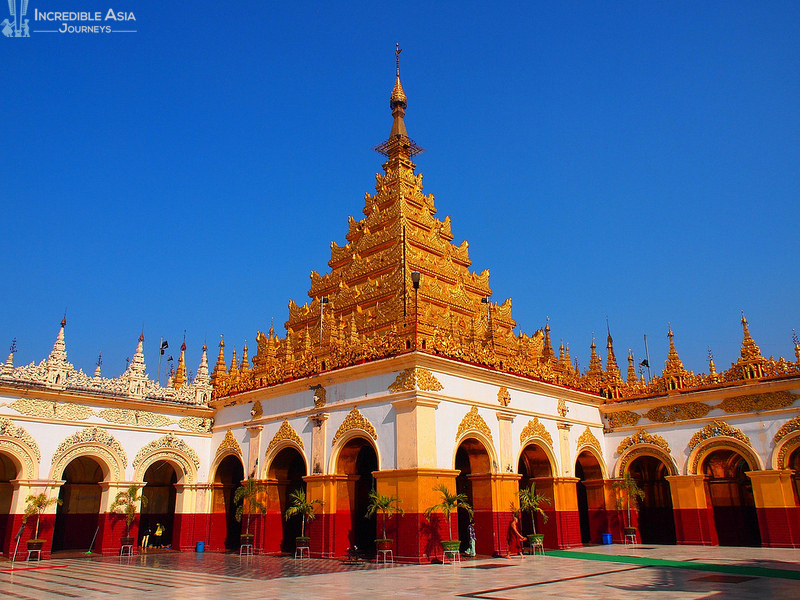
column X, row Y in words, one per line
column 229, row 443
column 195, row 424
column 8, row 429
column 472, row 421
column 354, row 420
column 757, row 402
column 91, row 435
column 286, row 432
column 786, row 450
column 34, row 407
column 118, row 415
column 73, row 412
column 563, row 409
column 168, row 442
column 787, row 428
column 642, row 437
column 416, row 378
column 587, row 438
column 535, row 428
column 503, row 397
column 678, row 412
column 150, row 419
column 320, row 397
column 623, row 418
column 717, row 429
column 257, row 411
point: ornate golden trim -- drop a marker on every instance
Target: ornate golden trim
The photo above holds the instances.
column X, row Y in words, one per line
column 195, row 424
column 167, row 442
column 746, row 451
column 717, row 429
column 287, row 432
column 257, row 411
column 416, row 378
column 786, row 450
column 623, row 418
column 678, row 412
column 587, row 438
column 503, row 397
column 20, row 435
column 320, row 397
column 355, row 420
column 648, row 450
column 562, row 409
column 91, row 435
column 758, row 402
column 229, row 443
column 535, row 428
column 472, row 421
column 642, row 437
column 789, row 427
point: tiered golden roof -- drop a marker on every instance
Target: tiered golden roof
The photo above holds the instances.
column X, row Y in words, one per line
column 400, row 284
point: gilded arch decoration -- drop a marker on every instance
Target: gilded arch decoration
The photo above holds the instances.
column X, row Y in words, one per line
column 287, row 433
column 95, row 442
column 355, row 420
column 588, row 439
column 17, row 442
column 169, row 448
column 416, row 378
column 472, row 421
column 643, row 443
column 535, row 429
column 229, row 445
column 786, row 440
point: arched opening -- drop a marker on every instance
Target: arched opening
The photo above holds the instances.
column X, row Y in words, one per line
column 591, row 497
column 794, row 463
column 534, row 466
column 228, row 477
column 159, row 489
column 473, row 462
column 8, row 473
column 77, row 516
column 731, row 494
column 358, row 460
column 287, row 471
column 656, row 519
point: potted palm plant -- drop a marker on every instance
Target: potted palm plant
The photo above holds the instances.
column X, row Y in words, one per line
column 387, row 506
column 35, row 507
column 301, row 506
column 632, row 494
column 125, row 503
column 247, row 498
column 530, row 500
column 450, row 503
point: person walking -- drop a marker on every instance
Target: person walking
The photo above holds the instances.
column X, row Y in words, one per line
column 515, row 538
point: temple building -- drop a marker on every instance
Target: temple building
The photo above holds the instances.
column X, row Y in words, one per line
column 401, row 374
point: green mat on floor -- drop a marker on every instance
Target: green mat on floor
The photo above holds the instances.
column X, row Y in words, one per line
column 679, row 564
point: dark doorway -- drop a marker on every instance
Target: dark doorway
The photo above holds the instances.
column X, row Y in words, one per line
column 591, row 498
column 77, row 516
column 8, row 473
column 358, row 459
column 160, row 479
column 656, row 519
column 288, row 469
column 473, row 459
column 731, row 495
column 228, row 477
column 534, row 466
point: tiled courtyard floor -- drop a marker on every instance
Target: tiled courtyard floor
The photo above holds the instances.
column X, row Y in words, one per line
column 608, row 572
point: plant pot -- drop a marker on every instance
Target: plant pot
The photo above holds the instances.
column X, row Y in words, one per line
column 35, row 544
column 384, row 544
column 302, row 542
column 536, row 539
column 451, row 545
column 126, row 541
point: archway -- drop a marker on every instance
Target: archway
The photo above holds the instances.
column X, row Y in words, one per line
column 591, row 497
column 656, row 519
column 793, row 463
column 731, row 495
column 228, row 476
column 357, row 459
column 535, row 467
column 160, row 479
column 287, row 470
column 472, row 462
column 8, row 473
column 78, row 515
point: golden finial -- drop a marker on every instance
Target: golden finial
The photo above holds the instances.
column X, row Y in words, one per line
column 397, row 52
column 712, row 368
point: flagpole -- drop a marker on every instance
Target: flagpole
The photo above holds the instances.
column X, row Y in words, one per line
column 647, row 353
column 160, row 352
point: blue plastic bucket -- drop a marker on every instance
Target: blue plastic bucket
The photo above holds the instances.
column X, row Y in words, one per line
column 200, row 547
column 607, row 538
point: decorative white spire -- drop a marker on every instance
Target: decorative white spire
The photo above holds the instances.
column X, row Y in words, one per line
column 57, row 365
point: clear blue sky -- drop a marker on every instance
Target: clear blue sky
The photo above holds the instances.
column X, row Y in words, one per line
column 623, row 159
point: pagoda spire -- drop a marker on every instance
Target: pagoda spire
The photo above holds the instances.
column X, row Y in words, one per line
column 220, row 371
column 674, row 371
column 547, row 347
column 202, row 370
column 399, row 145
column 751, row 362
column 180, row 376
column 632, row 379
column 57, row 365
